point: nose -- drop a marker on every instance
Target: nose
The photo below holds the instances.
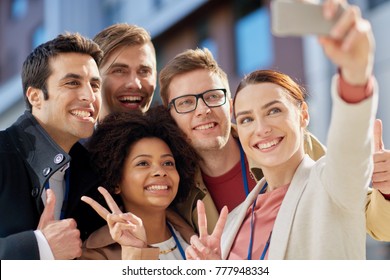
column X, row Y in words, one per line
column 262, row 128
column 159, row 171
column 88, row 94
column 133, row 81
column 201, row 108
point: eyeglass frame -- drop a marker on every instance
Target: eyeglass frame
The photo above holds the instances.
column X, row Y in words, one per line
column 197, row 96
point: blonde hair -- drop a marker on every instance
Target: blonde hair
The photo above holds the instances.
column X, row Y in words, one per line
column 188, row 61
column 121, row 34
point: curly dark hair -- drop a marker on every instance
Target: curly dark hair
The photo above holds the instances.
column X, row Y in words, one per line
column 115, row 135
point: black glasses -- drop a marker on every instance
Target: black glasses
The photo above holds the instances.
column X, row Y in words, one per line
column 188, row 103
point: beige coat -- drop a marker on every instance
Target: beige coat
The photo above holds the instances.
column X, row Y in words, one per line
column 188, row 211
column 323, row 213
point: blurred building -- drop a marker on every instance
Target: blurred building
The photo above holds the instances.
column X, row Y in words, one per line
column 21, row 29
column 236, row 31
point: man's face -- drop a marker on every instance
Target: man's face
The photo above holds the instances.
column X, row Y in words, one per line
column 207, row 128
column 72, row 108
column 129, row 79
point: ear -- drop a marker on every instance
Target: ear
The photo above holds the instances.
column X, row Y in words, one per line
column 305, row 117
column 35, row 97
column 231, row 106
column 117, row 190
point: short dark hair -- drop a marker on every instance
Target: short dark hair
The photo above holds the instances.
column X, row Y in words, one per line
column 115, row 135
column 36, row 70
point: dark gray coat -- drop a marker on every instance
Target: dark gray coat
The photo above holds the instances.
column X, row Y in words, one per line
column 28, row 158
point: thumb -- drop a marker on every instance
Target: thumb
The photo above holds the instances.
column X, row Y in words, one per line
column 48, row 213
column 378, row 141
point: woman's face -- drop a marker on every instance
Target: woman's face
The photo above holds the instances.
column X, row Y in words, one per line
column 150, row 179
column 270, row 125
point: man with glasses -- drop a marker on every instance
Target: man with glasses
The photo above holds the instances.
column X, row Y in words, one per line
column 196, row 91
column 188, row 103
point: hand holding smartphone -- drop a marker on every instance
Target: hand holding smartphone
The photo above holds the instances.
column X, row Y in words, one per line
column 295, row 18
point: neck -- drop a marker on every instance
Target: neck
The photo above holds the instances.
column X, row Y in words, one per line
column 155, row 224
column 281, row 175
column 218, row 162
column 65, row 143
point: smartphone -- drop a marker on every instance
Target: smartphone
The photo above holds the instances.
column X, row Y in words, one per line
column 295, row 18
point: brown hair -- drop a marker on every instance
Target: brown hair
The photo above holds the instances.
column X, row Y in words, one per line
column 296, row 92
column 187, row 61
column 121, row 34
column 116, row 134
column 36, row 68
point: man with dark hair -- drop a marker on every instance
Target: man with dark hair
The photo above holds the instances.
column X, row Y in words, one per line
column 62, row 89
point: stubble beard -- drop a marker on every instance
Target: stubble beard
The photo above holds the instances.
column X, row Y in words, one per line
column 207, row 147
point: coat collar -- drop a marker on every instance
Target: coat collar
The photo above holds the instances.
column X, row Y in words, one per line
column 42, row 156
column 285, row 218
column 281, row 230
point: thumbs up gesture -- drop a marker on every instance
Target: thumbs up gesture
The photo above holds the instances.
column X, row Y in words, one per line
column 381, row 175
column 63, row 236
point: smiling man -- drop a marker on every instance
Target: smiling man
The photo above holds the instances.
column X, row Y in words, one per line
column 61, row 86
column 128, row 68
column 226, row 175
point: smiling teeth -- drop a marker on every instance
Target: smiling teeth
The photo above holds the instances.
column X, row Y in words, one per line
column 131, row 98
column 268, row 145
column 82, row 114
column 157, row 188
column 206, row 126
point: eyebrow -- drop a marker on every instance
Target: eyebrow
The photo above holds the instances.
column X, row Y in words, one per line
column 149, row 156
column 72, row 76
column 79, row 77
column 265, row 106
column 118, row 64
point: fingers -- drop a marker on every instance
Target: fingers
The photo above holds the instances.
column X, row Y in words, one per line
column 202, row 219
column 191, row 254
column 330, row 8
column 127, row 229
column 130, row 217
column 378, row 133
column 351, row 46
column 382, row 161
column 110, row 201
column 48, row 213
column 383, row 187
column 344, row 25
column 127, row 218
column 63, row 238
column 198, row 245
column 103, row 212
column 218, row 230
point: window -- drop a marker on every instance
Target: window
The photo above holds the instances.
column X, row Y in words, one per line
column 374, row 3
column 211, row 45
column 19, row 9
column 254, row 44
column 38, row 36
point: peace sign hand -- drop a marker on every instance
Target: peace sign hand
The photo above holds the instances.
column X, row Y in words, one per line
column 207, row 247
column 125, row 228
